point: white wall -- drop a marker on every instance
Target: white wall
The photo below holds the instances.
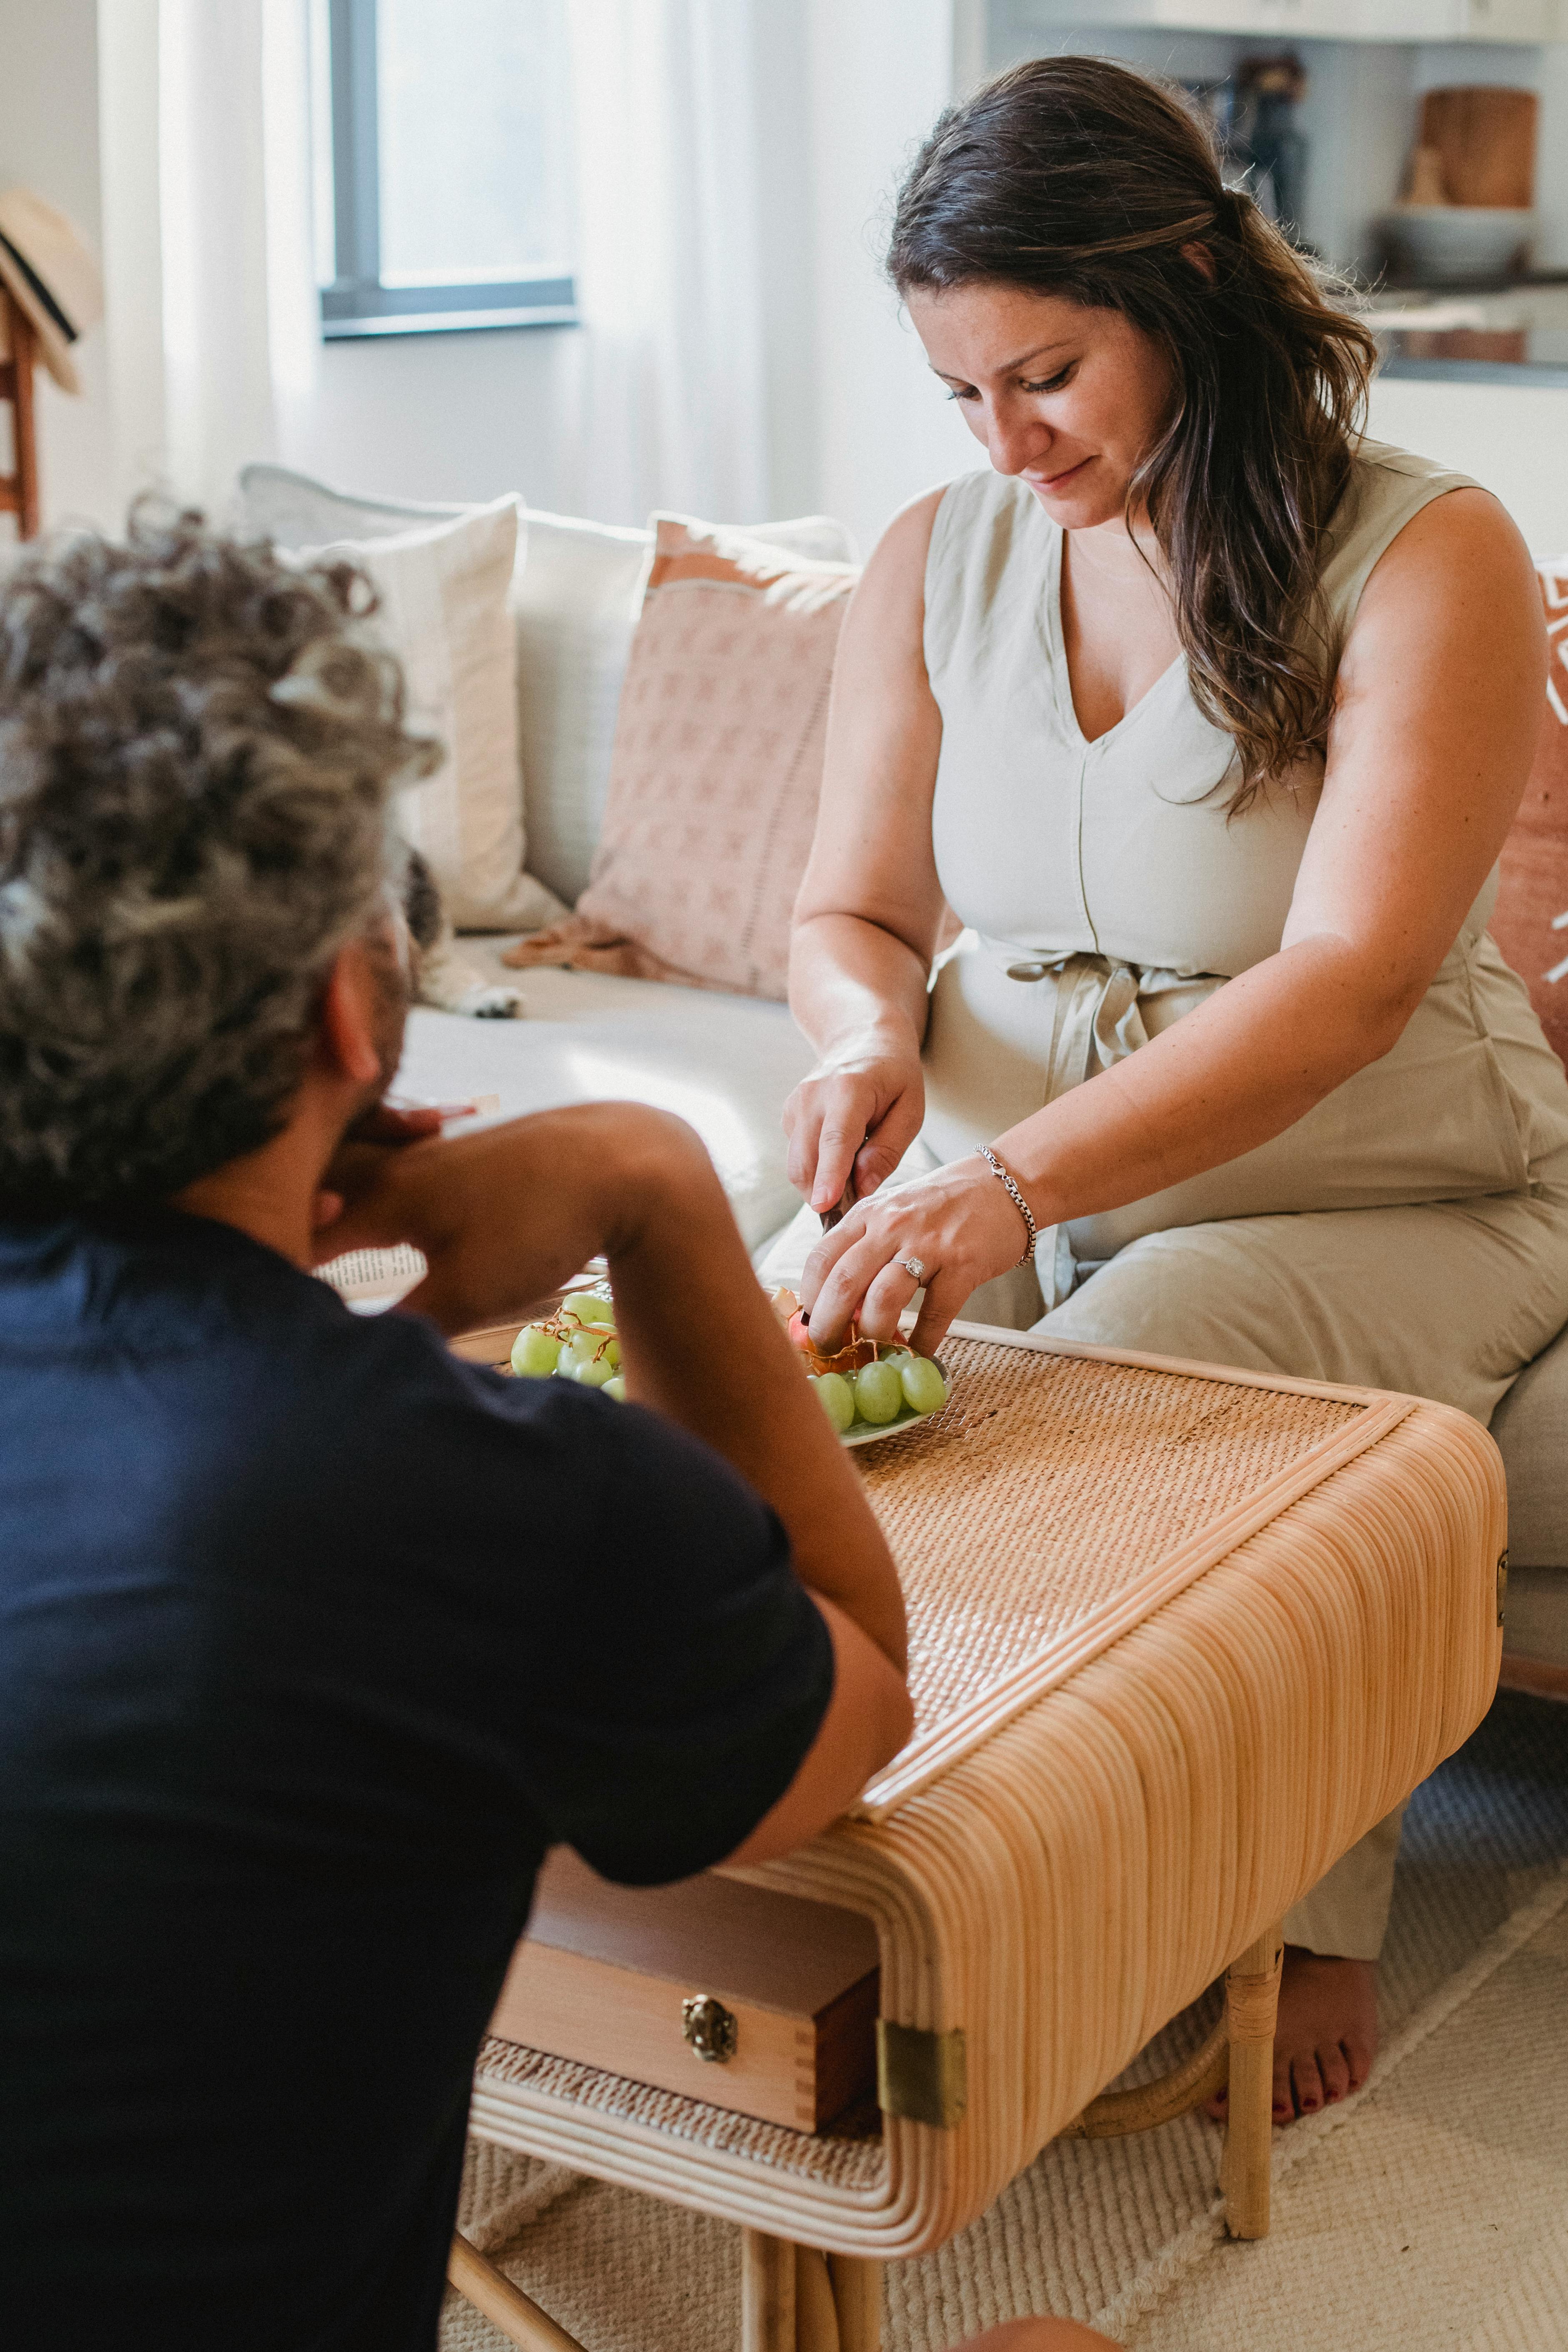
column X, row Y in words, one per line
column 48, row 142
column 881, row 71
column 1512, row 438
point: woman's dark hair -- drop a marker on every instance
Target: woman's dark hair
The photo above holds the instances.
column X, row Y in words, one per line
column 1077, row 177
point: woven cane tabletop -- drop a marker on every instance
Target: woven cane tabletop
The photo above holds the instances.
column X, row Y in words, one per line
column 1053, row 1484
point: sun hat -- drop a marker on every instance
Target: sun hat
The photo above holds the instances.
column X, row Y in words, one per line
column 49, row 271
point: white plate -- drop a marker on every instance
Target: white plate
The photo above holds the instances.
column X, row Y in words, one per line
column 867, row 1433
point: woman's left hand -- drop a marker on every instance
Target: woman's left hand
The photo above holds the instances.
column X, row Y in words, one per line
column 958, row 1224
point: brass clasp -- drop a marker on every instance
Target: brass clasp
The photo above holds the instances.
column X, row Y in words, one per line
column 709, row 2029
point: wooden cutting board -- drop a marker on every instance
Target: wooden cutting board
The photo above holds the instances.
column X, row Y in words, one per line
column 1486, row 139
column 607, row 1974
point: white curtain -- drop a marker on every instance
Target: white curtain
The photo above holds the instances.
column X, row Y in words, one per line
column 240, row 335
column 662, row 395
column 671, row 406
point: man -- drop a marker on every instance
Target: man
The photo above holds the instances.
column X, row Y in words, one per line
column 315, row 1638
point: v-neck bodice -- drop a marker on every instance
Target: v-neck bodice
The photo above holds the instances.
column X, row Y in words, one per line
column 1053, row 843
column 1057, row 634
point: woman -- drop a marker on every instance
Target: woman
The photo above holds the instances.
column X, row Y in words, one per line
column 1209, row 719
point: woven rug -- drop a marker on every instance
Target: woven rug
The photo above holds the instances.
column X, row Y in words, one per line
column 1433, row 2209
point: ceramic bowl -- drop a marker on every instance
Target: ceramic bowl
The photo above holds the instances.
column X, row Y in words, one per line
column 1442, row 245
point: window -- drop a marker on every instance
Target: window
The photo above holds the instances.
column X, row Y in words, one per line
column 442, row 165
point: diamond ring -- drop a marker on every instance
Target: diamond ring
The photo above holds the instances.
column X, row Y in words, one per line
column 912, row 1265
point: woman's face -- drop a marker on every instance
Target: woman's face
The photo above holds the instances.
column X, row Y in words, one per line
column 1066, row 398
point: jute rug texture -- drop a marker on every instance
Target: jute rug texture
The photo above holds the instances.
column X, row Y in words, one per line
column 1431, row 2210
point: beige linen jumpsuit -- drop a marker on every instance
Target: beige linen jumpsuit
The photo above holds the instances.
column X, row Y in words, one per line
column 1409, row 1233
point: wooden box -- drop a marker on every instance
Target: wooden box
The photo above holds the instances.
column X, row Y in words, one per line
column 762, row 2002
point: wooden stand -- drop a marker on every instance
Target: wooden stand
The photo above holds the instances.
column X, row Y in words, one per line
column 515, row 2315
column 1252, row 2001
column 20, row 490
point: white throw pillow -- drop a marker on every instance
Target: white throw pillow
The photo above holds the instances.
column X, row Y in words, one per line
column 297, row 510
column 575, row 604
column 443, row 612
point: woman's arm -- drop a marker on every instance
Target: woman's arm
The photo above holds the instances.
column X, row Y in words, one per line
column 868, row 916
column 1438, row 708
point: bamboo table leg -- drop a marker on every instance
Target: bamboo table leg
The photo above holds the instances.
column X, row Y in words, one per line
column 858, row 2292
column 767, row 2293
column 815, row 2319
column 1252, row 2000
column 516, row 2314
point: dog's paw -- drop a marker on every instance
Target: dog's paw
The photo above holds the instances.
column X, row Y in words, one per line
column 490, row 1003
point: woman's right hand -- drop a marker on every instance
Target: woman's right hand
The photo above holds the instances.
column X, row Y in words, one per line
column 856, row 1118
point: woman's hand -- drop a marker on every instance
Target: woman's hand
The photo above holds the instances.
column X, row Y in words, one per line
column 959, row 1224
column 854, row 1120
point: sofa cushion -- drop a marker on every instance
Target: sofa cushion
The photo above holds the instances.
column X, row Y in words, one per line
column 574, row 607
column 575, row 603
column 718, row 767
column 1532, row 876
column 575, row 596
column 297, row 510
column 443, row 590
column 1530, row 1427
column 725, row 1064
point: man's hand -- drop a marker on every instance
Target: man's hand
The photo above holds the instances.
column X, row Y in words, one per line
column 383, row 1127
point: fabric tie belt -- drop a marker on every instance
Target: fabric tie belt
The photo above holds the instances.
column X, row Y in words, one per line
column 1096, row 1020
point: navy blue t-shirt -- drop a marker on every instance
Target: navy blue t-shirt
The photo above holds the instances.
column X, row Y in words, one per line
column 312, row 1639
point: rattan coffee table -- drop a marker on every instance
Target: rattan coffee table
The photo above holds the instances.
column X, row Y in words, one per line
column 1180, row 1636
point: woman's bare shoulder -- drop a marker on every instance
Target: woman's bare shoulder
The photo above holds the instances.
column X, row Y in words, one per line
column 1460, row 546
column 889, row 606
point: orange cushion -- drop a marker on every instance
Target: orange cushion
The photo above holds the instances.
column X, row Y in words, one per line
column 1532, row 893
column 717, row 768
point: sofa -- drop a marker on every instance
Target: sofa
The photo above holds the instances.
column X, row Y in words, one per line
column 726, row 1063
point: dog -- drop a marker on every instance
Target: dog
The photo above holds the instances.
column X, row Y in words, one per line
column 443, row 975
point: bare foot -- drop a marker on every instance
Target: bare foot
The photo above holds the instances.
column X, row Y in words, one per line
column 1326, row 2038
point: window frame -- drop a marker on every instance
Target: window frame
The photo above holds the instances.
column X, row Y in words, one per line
column 356, row 303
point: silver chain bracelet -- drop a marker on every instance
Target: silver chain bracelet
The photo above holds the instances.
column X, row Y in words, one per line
column 1004, row 1177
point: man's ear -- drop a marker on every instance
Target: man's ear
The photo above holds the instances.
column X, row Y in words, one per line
column 347, row 1035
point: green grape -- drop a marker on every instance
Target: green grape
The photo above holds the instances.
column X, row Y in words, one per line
column 837, row 1398
column 590, row 1307
column 534, row 1352
column 878, row 1393
column 597, row 1372
column 895, row 1352
column 616, row 1388
column 925, row 1390
column 612, row 1355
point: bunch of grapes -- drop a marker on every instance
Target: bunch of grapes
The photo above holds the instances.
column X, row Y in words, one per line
column 861, row 1384
column 578, row 1342
column 858, row 1385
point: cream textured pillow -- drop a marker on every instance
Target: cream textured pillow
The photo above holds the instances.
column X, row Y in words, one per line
column 444, row 611
column 717, row 767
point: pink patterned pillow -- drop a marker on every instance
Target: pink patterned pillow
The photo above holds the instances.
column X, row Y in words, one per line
column 717, row 769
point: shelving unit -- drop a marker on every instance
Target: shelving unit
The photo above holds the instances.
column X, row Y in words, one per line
column 1528, row 22
column 1367, row 62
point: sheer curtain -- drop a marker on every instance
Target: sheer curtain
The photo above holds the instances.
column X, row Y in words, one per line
column 239, row 339
column 662, row 396
column 669, row 403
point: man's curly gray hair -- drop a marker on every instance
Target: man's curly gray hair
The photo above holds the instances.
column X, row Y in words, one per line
column 197, row 747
